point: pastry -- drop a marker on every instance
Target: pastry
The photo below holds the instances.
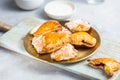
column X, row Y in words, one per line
column 50, row 42
column 78, row 25
column 109, row 65
column 49, row 26
column 37, row 43
column 65, row 30
column 67, row 52
column 83, row 38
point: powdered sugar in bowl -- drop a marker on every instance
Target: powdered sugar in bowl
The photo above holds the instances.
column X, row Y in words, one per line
column 60, row 9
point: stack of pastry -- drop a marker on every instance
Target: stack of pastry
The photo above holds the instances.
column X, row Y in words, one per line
column 58, row 41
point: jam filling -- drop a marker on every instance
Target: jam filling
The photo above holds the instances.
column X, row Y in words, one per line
column 100, row 64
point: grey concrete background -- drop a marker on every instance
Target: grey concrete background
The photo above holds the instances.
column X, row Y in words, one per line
column 13, row 66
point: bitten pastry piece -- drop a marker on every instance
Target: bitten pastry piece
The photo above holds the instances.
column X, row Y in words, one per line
column 50, row 42
column 51, row 25
column 65, row 53
column 78, row 25
column 108, row 64
column 83, row 38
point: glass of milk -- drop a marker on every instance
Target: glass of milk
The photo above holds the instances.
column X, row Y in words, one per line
column 94, row 1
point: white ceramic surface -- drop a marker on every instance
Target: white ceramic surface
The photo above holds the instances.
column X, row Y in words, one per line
column 60, row 9
column 29, row 4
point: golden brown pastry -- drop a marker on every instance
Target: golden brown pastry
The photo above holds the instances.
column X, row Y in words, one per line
column 49, row 26
column 108, row 64
column 54, row 40
column 50, row 42
column 78, row 25
column 65, row 53
column 83, row 38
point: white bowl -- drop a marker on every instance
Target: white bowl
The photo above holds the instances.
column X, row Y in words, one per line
column 28, row 4
column 60, row 10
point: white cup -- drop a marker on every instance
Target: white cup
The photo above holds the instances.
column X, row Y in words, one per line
column 28, row 4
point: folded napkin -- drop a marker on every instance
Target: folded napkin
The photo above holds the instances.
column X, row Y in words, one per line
column 13, row 40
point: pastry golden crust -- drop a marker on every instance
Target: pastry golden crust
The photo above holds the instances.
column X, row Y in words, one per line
column 108, row 64
column 53, row 41
column 65, row 53
column 83, row 38
column 49, row 26
column 50, row 42
column 78, row 25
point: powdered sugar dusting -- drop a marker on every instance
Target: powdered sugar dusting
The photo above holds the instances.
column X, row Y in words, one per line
column 74, row 23
column 37, row 43
column 65, row 53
